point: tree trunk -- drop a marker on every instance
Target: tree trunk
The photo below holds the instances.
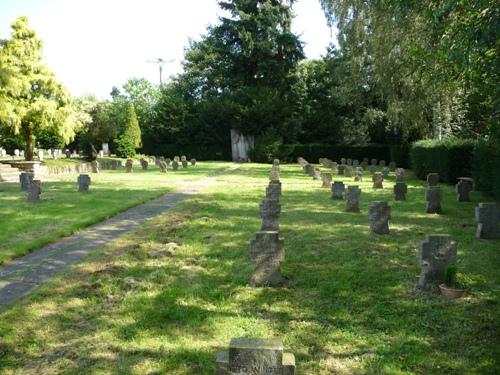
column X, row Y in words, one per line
column 28, row 134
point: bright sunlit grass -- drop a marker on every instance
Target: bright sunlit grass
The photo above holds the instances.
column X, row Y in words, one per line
column 63, row 210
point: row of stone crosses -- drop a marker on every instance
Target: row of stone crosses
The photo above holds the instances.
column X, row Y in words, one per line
column 487, row 214
column 256, row 355
column 437, row 251
column 34, row 187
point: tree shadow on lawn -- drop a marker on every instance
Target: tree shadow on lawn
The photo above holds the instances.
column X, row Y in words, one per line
column 350, row 305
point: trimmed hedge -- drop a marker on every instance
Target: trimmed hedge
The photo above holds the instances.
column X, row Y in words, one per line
column 451, row 158
column 486, row 168
column 198, row 151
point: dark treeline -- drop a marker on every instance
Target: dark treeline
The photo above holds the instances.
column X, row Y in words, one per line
column 402, row 71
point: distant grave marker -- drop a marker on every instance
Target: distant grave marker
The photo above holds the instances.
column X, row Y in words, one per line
column 83, row 182
column 380, row 214
column 487, row 216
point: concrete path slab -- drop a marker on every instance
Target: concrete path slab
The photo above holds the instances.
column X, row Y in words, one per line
column 23, row 275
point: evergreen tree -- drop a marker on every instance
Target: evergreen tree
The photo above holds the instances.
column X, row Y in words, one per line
column 130, row 138
column 31, row 99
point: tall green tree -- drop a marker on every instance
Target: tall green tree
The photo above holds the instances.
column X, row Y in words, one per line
column 130, row 137
column 435, row 63
column 31, row 98
column 250, row 59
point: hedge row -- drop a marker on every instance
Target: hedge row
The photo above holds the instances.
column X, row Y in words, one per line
column 455, row 158
column 197, row 151
column 450, row 158
column 486, row 168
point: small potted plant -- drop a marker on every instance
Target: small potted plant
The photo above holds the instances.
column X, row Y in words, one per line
column 451, row 289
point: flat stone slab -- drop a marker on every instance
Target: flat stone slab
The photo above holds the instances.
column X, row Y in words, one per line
column 23, row 275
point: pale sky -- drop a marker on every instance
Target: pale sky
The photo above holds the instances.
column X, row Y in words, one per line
column 93, row 45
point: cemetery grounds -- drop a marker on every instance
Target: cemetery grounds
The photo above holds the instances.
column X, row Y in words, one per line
column 166, row 297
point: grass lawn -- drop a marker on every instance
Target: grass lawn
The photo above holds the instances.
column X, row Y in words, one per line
column 141, row 306
column 27, row 226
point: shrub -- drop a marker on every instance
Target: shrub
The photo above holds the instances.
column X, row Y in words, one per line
column 200, row 151
column 451, row 158
column 400, row 154
column 124, row 147
column 267, row 147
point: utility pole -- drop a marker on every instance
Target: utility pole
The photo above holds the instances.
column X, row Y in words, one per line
column 160, row 61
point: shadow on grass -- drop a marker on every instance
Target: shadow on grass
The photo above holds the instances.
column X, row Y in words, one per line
column 350, row 306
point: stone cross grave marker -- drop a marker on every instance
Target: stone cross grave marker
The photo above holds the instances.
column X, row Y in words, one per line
column 463, row 189
column 163, row 166
column 338, row 189
column 352, row 196
column 83, row 182
column 270, row 210
column 177, row 159
column 175, row 165
column 266, row 250
column 144, row 164
column 274, row 175
column 309, row 169
column 34, row 191
column 25, row 179
column 468, row 180
column 341, row 169
column 432, row 179
column 95, row 166
column 380, row 214
column 253, row 356
column 385, row 172
column 377, row 179
column 327, row 180
column 358, row 174
column 400, row 190
column 435, row 254
column 273, row 190
column 400, row 174
column 129, row 165
column 433, row 197
column 183, row 157
column 487, row 216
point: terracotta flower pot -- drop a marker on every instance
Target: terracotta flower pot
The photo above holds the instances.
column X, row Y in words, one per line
column 451, row 293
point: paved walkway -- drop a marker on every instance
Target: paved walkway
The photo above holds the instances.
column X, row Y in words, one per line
column 25, row 274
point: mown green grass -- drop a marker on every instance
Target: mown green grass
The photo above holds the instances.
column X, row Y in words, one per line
column 63, row 210
column 350, row 306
